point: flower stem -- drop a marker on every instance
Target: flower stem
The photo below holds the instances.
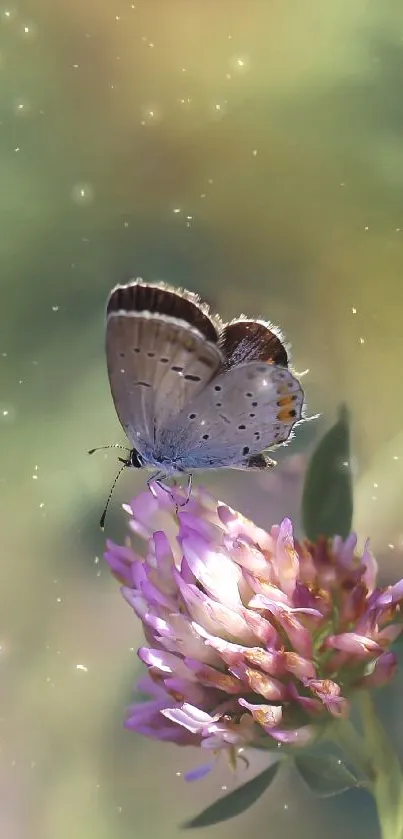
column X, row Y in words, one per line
column 375, row 759
column 387, row 777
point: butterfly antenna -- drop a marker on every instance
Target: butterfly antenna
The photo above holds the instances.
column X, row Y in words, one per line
column 103, row 517
column 110, row 446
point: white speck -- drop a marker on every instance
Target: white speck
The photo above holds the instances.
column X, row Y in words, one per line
column 41, row 506
column 151, row 44
column 76, row 66
column 7, row 13
column 395, row 457
column 254, row 152
column 176, row 210
column 362, row 340
column 7, row 412
column 210, row 180
column 202, row 195
column 354, row 310
column 82, row 193
column 126, row 224
column 392, row 547
column 55, row 308
column 82, row 667
column 366, row 228
column 17, row 148
column 117, row 17
column 189, row 217
column 21, row 107
column 376, row 486
column 58, row 599
column 240, row 62
column 218, row 107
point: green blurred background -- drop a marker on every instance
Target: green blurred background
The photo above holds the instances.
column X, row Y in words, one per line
column 252, row 151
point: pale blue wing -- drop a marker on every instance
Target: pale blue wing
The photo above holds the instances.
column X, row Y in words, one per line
column 237, row 415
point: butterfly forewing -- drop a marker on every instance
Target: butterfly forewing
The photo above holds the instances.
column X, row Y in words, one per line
column 156, row 364
column 239, row 414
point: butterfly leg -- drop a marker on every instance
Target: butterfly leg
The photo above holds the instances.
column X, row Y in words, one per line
column 188, row 491
column 157, row 478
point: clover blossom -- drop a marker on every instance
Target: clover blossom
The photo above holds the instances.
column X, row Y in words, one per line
column 252, row 638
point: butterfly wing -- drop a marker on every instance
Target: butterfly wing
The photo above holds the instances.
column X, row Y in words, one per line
column 245, row 340
column 157, row 361
column 238, row 415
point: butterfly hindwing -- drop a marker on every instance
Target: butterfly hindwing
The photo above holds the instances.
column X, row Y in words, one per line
column 237, row 416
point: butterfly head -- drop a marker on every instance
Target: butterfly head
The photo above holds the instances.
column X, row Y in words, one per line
column 134, row 460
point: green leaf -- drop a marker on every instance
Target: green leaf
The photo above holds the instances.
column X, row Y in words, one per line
column 327, row 501
column 236, row 801
column 325, row 776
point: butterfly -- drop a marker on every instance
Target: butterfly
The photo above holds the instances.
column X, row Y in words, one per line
column 192, row 392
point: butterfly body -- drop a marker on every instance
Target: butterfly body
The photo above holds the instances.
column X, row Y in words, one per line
column 192, row 392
